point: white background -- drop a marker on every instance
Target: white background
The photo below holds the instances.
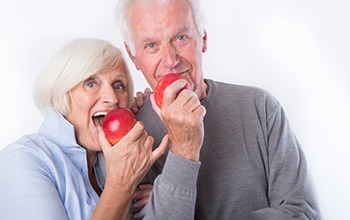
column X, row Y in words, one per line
column 298, row 50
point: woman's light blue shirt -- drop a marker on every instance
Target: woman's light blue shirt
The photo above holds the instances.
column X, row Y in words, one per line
column 45, row 175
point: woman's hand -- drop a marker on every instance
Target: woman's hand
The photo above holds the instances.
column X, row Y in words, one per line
column 128, row 161
column 139, row 100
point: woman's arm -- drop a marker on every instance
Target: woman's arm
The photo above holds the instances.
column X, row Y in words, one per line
column 27, row 189
column 127, row 163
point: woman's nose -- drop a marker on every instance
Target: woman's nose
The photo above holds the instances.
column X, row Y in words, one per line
column 109, row 96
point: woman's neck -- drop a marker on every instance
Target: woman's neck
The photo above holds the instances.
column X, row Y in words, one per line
column 91, row 157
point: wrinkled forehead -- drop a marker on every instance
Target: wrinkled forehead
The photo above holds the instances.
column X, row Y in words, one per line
column 152, row 18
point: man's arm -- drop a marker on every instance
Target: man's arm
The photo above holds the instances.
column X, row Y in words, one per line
column 291, row 190
column 174, row 191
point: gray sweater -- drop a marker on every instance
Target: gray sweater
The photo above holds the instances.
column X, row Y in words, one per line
column 251, row 164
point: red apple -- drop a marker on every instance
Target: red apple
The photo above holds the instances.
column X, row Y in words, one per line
column 163, row 83
column 117, row 123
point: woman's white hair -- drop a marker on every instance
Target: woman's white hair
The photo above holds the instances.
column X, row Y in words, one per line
column 78, row 60
column 123, row 22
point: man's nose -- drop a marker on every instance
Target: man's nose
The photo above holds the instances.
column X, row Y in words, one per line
column 170, row 58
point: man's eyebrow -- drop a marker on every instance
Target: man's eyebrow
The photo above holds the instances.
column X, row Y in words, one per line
column 181, row 30
column 147, row 39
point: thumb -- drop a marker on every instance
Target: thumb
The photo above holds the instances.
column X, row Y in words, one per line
column 159, row 151
column 105, row 145
column 154, row 105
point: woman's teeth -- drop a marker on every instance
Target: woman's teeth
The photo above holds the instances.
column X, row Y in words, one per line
column 97, row 118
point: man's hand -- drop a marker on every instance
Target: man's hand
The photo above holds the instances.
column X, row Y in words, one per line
column 141, row 198
column 139, row 100
column 183, row 116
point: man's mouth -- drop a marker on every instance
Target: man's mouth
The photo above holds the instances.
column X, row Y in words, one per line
column 98, row 117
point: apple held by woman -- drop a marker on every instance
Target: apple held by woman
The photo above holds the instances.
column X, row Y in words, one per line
column 117, row 123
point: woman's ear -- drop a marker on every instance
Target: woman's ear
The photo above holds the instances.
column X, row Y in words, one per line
column 132, row 56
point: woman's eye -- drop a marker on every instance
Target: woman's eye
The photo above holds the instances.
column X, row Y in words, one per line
column 119, row 86
column 90, row 84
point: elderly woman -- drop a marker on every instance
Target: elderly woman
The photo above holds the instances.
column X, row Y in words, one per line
column 52, row 174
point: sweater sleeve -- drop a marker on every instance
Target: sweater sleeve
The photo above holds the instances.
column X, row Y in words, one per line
column 174, row 192
column 291, row 190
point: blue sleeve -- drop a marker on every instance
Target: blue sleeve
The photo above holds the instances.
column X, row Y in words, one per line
column 27, row 191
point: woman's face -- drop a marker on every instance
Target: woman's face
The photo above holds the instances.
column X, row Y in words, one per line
column 96, row 95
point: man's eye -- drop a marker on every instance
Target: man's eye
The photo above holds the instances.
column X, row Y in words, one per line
column 151, row 45
column 181, row 37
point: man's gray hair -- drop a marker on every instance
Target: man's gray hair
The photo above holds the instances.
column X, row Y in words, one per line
column 123, row 7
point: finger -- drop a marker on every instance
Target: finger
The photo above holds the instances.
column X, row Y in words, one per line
column 137, row 195
column 142, row 202
column 200, row 110
column 159, row 151
column 105, row 145
column 171, row 92
column 133, row 136
column 142, row 145
column 196, row 106
column 139, row 99
column 139, row 215
column 154, row 105
column 143, row 199
column 149, row 144
column 133, row 106
column 144, row 191
column 147, row 92
column 146, row 186
column 189, row 98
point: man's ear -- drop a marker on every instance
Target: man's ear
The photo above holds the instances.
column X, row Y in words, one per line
column 204, row 49
column 132, row 56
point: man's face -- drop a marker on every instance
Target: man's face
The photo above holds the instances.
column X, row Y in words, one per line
column 166, row 40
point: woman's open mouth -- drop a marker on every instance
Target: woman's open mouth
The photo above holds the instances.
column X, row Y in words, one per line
column 98, row 117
